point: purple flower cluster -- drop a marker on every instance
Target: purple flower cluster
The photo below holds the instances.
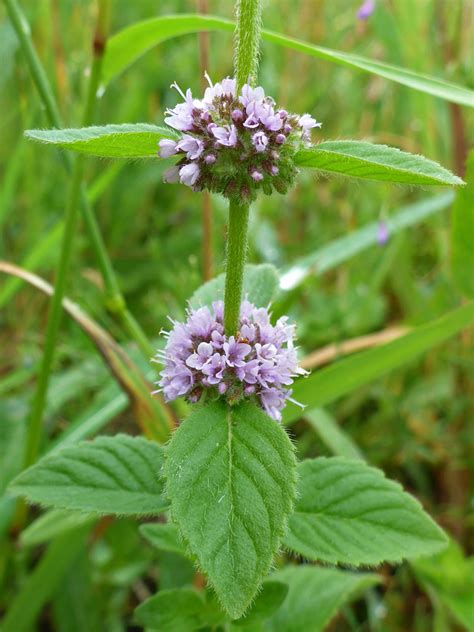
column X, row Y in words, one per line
column 234, row 143
column 259, row 362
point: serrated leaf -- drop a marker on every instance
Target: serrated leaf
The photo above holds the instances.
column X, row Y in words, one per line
column 315, row 595
column 132, row 42
column 138, row 140
column 177, row 610
column 359, row 159
column 349, row 513
column 260, row 286
column 164, row 537
column 462, row 234
column 345, row 376
column 230, row 476
column 110, row 475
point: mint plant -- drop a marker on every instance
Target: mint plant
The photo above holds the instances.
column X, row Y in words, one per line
column 228, row 480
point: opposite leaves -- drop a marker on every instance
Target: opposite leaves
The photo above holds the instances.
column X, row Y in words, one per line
column 230, row 476
column 110, row 475
column 350, row 513
column 374, row 162
column 139, row 140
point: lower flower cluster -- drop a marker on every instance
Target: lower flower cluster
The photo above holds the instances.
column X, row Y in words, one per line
column 259, row 362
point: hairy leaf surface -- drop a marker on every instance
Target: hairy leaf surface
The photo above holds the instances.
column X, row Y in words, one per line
column 348, row 512
column 110, row 475
column 231, row 480
column 359, row 159
column 138, row 140
column 315, row 595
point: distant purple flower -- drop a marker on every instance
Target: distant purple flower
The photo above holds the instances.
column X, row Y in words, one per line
column 366, row 9
column 382, row 233
column 256, row 175
column 171, row 175
column 259, row 362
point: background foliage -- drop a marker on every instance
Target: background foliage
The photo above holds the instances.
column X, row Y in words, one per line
column 415, row 423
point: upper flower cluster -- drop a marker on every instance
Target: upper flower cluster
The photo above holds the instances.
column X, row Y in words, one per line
column 234, row 143
column 260, row 361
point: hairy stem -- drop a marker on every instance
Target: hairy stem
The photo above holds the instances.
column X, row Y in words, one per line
column 236, row 255
column 114, row 300
column 246, row 47
column 247, row 40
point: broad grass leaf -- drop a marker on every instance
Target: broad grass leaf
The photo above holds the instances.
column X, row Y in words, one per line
column 260, row 286
column 349, row 513
column 138, row 140
column 52, row 524
column 344, row 248
column 176, row 610
column 359, row 159
column 230, row 475
column 345, row 376
column 315, row 595
column 462, row 234
column 339, row 442
column 110, row 475
column 132, row 42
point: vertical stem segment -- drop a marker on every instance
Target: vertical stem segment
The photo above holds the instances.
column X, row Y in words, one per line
column 70, row 223
column 246, row 46
column 247, row 40
column 236, row 255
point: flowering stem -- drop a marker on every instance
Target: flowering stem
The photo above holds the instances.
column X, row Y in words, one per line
column 114, row 301
column 70, row 223
column 236, row 255
column 247, row 40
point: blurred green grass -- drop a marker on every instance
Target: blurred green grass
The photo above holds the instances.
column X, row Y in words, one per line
column 416, row 423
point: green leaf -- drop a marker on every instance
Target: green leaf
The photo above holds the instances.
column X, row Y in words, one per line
column 110, row 475
column 314, row 597
column 267, row 601
column 260, row 286
column 339, row 442
column 359, row 159
column 451, row 576
column 340, row 250
column 128, row 45
column 177, row 610
column 349, row 513
column 52, row 524
column 43, row 581
column 462, row 234
column 230, row 476
column 164, row 537
column 110, row 141
column 345, row 376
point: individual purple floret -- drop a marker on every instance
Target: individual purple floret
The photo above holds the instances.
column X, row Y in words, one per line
column 258, row 362
column 366, row 9
column 382, row 233
column 227, row 138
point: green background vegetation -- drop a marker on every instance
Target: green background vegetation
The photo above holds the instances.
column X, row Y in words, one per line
column 416, row 423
